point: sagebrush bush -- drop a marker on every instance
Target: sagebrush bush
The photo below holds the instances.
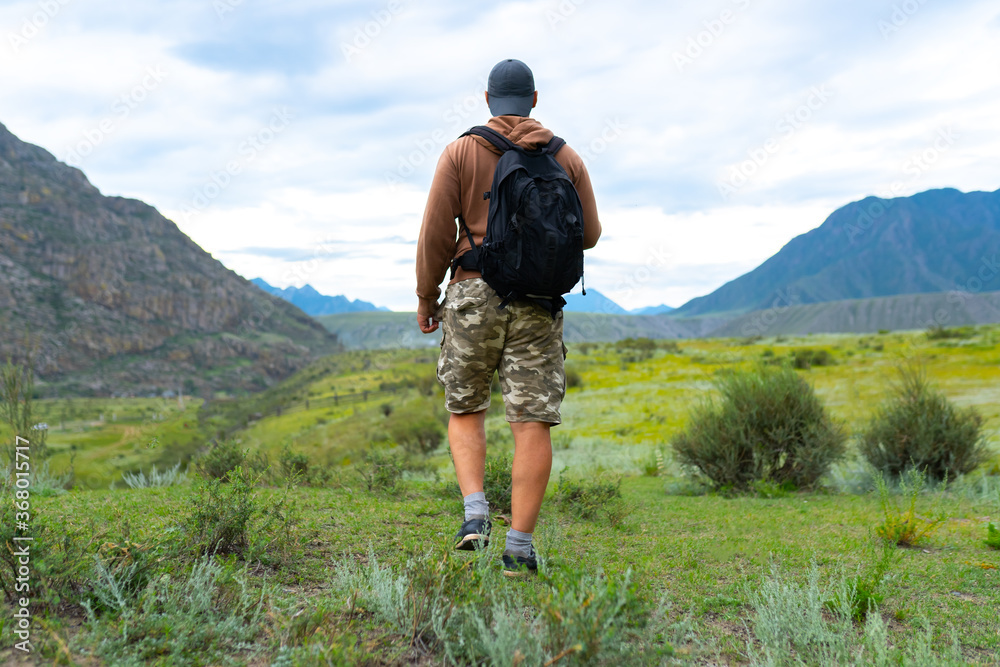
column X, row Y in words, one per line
column 798, row 625
column 169, row 477
column 768, row 425
column 460, row 607
column 918, row 427
column 188, row 618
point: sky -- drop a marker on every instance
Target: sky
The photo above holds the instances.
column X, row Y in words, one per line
column 295, row 140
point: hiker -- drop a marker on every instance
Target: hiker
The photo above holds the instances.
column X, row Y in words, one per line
column 518, row 336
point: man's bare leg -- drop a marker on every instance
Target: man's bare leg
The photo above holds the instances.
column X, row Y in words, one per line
column 530, row 474
column 467, row 439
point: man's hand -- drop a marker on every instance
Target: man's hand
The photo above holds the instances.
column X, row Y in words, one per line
column 425, row 320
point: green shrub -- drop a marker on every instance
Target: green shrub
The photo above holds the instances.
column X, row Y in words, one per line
column 294, row 463
column 865, row 592
column 904, row 527
column 591, row 498
column 992, row 537
column 573, row 379
column 417, row 426
column 233, row 519
column 769, row 425
column 380, row 470
column 918, row 427
column 654, row 465
column 497, row 481
column 939, row 332
column 806, row 358
column 17, row 394
column 220, row 458
column 60, row 557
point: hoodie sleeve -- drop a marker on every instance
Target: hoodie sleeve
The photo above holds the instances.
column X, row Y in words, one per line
column 438, row 231
column 577, row 171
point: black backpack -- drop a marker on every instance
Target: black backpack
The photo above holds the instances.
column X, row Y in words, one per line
column 533, row 249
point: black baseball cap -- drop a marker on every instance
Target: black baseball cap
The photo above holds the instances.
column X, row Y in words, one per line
column 512, row 89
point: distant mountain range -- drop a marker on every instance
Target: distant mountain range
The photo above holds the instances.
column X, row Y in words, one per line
column 109, row 297
column 935, row 241
column 367, row 331
column 595, row 302
column 313, row 303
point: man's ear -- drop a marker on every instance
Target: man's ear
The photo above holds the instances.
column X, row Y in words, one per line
column 533, row 102
column 487, row 98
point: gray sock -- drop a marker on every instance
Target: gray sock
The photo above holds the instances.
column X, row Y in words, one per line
column 476, row 505
column 518, row 543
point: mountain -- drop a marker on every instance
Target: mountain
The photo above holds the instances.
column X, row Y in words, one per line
column 313, row 303
column 592, row 302
column 109, row 297
column 652, row 310
column 379, row 331
column 935, row 241
column 905, row 312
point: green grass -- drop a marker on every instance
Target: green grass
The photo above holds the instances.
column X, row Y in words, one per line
column 697, row 554
column 623, row 410
column 693, row 557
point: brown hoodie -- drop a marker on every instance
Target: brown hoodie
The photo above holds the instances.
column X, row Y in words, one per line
column 464, row 173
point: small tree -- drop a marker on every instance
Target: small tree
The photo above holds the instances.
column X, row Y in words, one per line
column 918, row 427
column 17, row 386
column 768, row 426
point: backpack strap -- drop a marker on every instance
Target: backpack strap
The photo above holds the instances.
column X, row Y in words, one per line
column 489, row 134
column 504, row 144
column 555, row 143
column 470, row 259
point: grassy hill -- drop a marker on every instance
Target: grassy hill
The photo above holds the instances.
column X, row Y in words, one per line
column 341, row 571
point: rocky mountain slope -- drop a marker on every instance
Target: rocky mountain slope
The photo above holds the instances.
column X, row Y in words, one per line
column 110, row 297
column 935, row 241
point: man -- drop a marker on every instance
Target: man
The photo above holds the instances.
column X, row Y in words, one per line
column 522, row 342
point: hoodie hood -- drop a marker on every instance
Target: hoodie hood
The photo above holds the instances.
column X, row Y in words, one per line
column 521, row 130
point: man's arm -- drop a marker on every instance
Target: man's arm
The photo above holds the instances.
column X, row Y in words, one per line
column 437, row 240
column 577, row 171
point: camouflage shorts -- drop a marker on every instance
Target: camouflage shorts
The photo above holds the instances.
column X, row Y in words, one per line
column 522, row 342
